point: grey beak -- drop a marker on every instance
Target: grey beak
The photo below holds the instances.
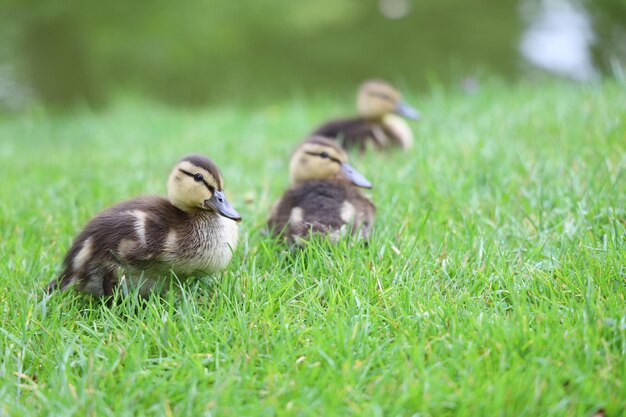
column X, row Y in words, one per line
column 219, row 203
column 403, row 109
column 354, row 176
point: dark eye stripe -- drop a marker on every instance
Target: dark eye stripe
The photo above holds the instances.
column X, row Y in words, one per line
column 209, row 187
column 381, row 95
column 323, row 155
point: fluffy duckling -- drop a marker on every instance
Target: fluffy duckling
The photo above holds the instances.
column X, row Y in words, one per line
column 323, row 198
column 378, row 105
column 191, row 233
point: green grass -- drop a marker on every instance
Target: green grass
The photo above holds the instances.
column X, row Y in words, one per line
column 494, row 283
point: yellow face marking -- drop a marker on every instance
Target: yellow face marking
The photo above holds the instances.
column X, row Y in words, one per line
column 377, row 98
column 186, row 190
column 316, row 161
column 333, row 153
column 207, row 176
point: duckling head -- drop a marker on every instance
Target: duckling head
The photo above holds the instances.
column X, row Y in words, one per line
column 320, row 158
column 377, row 98
column 196, row 184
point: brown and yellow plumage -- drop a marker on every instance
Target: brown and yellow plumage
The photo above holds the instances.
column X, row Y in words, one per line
column 378, row 125
column 144, row 240
column 324, row 199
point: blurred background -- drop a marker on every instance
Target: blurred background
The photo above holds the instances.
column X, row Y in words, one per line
column 60, row 53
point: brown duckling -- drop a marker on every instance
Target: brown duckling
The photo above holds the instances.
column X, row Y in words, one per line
column 142, row 241
column 323, row 198
column 378, row 124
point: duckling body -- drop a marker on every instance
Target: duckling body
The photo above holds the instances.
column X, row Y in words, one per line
column 322, row 207
column 145, row 239
column 323, row 199
column 378, row 124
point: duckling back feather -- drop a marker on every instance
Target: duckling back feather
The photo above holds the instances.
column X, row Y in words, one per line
column 146, row 238
column 321, row 207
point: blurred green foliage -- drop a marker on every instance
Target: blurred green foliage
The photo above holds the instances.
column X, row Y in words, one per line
column 198, row 51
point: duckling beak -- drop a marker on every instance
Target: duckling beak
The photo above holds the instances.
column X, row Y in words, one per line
column 354, row 176
column 219, row 203
column 405, row 110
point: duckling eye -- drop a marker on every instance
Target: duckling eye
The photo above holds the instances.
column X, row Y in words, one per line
column 198, row 177
column 324, row 155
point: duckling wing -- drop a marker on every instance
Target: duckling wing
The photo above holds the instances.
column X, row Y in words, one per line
column 352, row 133
column 148, row 223
column 129, row 234
column 320, row 207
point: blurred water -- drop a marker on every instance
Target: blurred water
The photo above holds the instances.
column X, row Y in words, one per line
column 558, row 38
column 394, row 9
column 13, row 96
column 63, row 52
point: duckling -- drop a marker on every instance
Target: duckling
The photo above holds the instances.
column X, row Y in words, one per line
column 378, row 104
column 323, row 198
column 142, row 241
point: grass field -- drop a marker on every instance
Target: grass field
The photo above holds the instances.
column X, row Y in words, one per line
column 494, row 283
